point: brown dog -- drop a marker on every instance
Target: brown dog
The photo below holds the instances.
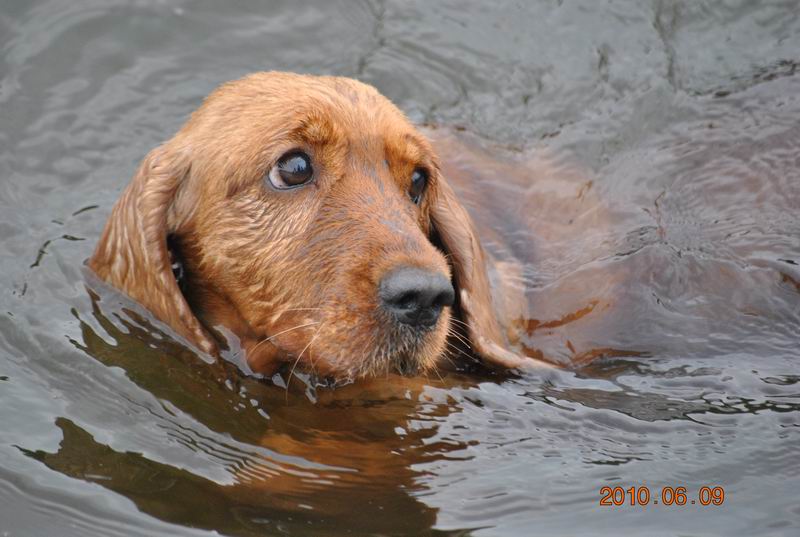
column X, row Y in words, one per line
column 311, row 221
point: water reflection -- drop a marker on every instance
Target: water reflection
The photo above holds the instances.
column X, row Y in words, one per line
column 341, row 457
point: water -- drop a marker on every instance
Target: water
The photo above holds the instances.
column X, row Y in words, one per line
column 641, row 158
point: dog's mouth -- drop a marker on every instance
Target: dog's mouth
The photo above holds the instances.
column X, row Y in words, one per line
column 387, row 351
column 407, row 366
column 353, row 365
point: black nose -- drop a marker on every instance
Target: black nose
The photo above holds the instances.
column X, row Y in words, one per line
column 415, row 296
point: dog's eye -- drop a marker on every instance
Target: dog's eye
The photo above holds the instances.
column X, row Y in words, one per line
column 293, row 169
column 419, row 179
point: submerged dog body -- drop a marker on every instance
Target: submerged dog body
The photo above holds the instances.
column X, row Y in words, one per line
column 312, row 221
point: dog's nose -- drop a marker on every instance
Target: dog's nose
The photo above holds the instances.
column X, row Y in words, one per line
column 415, row 296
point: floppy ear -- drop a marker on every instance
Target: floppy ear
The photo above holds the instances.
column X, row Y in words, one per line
column 457, row 234
column 132, row 253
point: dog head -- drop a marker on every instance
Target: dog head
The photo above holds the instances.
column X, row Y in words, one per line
column 312, row 221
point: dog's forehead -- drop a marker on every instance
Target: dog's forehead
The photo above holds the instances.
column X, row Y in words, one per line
column 344, row 122
column 335, row 110
column 363, row 122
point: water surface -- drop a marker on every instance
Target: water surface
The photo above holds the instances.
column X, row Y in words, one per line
column 640, row 159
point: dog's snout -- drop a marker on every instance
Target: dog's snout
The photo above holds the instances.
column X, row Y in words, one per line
column 415, row 296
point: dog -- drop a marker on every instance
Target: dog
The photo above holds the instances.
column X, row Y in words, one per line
column 306, row 216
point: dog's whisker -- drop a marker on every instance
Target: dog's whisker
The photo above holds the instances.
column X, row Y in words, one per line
column 312, row 363
column 299, row 356
column 459, row 321
column 435, row 370
column 270, row 338
column 459, row 337
column 452, row 330
column 463, row 341
column 451, row 353
column 453, row 348
column 281, row 313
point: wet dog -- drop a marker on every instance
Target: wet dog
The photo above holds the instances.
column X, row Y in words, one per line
column 308, row 217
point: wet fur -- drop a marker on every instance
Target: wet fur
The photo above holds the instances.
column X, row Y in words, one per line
column 293, row 274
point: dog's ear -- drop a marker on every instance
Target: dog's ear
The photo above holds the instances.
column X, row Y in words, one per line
column 455, row 231
column 132, row 253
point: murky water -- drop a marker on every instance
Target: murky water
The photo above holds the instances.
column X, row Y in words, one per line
column 642, row 161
